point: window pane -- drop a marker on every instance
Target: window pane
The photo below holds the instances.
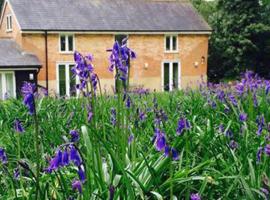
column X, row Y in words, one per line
column 10, row 85
column 10, row 22
column 70, row 43
column 62, row 80
column 72, row 82
column 168, row 43
column 175, row 75
column 1, row 86
column 174, row 38
column 166, row 76
column 7, row 23
column 63, row 43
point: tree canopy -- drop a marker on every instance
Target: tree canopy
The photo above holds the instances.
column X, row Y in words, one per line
column 240, row 38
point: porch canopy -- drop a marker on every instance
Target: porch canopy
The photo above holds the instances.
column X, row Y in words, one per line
column 16, row 66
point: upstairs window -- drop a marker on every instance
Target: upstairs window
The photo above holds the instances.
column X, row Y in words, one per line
column 67, row 43
column 9, row 23
column 171, row 43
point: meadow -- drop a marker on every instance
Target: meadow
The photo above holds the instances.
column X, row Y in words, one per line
column 209, row 143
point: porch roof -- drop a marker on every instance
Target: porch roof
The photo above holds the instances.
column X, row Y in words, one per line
column 12, row 56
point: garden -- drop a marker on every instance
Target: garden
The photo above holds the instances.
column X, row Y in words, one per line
column 208, row 143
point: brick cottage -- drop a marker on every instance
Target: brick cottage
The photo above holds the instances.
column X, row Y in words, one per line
column 38, row 38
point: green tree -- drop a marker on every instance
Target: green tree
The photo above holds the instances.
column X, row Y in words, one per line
column 240, row 39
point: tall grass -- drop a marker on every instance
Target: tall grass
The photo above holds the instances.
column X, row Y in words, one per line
column 121, row 161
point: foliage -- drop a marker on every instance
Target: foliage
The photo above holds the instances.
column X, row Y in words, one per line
column 220, row 134
column 240, row 38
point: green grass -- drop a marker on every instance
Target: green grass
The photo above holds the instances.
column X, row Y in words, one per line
column 207, row 164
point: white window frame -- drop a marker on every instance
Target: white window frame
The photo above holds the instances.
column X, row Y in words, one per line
column 171, row 44
column 9, row 23
column 67, row 65
column 4, row 86
column 66, row 35
column 171, row 75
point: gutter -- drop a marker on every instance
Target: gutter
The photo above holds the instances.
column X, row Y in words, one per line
column 46, row 60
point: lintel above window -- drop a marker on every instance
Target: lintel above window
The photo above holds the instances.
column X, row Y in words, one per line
column 171, row 43
column 9, row 23
column 66, row 43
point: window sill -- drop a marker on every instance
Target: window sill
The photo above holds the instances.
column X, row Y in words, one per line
column 9, row 31
column 171, row 52
column 67, row 52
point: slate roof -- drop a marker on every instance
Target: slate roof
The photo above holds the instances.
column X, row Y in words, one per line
column 11, row 56
column 108, row 15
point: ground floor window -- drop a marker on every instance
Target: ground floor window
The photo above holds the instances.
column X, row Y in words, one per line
column 170, row 76
column 7, row 85
column 66, row 81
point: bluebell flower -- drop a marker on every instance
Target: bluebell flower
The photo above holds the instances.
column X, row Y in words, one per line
column 119, row 57
column 55, row 162
column 175, row 154
column 28, row 92
column 233, row 100
column 75, row 156
column 221, row 128
column 3, row 156
column 260, row 123
column 243, row 117
column 74, row 135
column 255, row 101
column 259, row 154
column 267, row 149
column 229, row 133
column 77, row 185
column 130, row 139
column 16, row 173
column 233, row 145
column 18, row 126
column 142, row 116
column 112, row 191
column 160, row 140
column 128, row 102
column 113, row 116
column 183, row 124
column 65, row 160
column 81, row 174
column 167, row 151
column 195, row 196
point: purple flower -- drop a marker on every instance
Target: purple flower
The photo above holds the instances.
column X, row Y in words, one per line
column 112, row 191
column 128, row 102
column 119, row 58
column 65, row 160
column 260, row 123
column 267, row 149
column 259, row 154
column 243, row 117
column 233, row 144
column 16, row 174
column 183, row 124
column 130, row 139
column 233, row 100
column 167, row 151
column 3, row 156
column 255, row 101
column 265, row 191
column 113, row 116
column 75, row 156
column 77, row 185
column 81, row 174
column 28, row 92
column 175, row 154
column 142, row 116
column 55, row 162
column 160, row 140
column 221, row 128
column 18, row 126
column 195, row 196
column 229, row 133
column 74, row 135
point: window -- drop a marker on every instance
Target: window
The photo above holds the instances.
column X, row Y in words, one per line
column 171, row 76
column 171, row 43
column 67, row 43
column 9, row 23
column 7, row 85
column 66, row 81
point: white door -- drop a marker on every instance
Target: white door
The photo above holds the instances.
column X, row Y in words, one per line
column 170, row 76
column 7, row 85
